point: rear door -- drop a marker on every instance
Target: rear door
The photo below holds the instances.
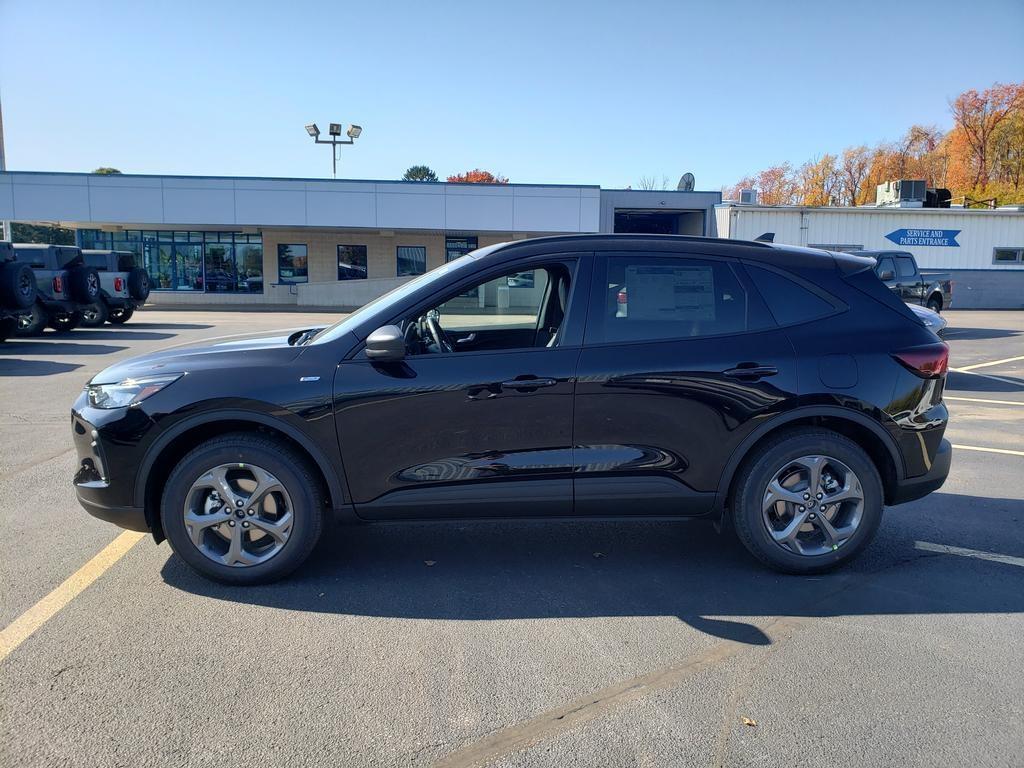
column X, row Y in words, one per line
column 681, row 360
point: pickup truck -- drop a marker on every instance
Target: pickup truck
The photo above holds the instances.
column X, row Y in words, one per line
column 898, row 270
column 17, row 291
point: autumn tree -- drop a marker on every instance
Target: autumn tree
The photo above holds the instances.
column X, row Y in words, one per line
column 853, row 170
column 419, row 173
column 477, row 176
column 819, row 181
column 978, row 115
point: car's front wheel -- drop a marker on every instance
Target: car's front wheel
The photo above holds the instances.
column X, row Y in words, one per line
column 807, row 501
column 243, row 509
column 94, row 315
column 120, row 315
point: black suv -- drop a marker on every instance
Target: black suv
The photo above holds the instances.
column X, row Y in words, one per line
column 784, row 391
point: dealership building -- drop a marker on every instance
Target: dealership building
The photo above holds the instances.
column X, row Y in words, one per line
column 211, row 241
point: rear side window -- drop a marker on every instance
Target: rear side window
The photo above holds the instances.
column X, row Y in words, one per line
column 789, row 302
column 904, row 266
column 34, row 258
column 650, row 297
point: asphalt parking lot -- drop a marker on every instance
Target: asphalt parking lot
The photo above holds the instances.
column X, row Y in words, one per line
column 561, row 644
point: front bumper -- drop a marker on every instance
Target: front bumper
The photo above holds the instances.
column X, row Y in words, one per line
column 107, row 442
column 913, row 488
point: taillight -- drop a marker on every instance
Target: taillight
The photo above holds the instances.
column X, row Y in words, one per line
column 929, row 361
column 118, row 284
column 58, row 284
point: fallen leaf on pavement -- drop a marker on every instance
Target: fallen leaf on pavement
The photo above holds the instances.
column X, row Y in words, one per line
column 748, row 721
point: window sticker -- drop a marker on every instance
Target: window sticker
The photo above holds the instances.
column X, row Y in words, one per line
column 670, row 293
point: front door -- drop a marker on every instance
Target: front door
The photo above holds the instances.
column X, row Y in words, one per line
column 477, row 420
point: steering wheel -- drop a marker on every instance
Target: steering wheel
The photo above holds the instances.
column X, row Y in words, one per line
column 438, row 334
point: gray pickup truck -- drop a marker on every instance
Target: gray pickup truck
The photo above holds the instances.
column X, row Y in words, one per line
column 898, row 270
column 17, row 290
column 64, row 285
column 124, row 287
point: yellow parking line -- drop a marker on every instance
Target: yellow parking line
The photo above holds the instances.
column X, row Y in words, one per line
column 994, row 362
column 19, row 630
column 983, row 400
column 987, row 450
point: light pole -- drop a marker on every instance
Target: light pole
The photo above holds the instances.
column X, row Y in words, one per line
column 335, row 130
column 3, row 167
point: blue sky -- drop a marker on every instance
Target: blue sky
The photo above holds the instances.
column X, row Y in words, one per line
column 597, row 92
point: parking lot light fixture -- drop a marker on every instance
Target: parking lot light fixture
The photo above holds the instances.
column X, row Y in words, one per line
column 334, row 130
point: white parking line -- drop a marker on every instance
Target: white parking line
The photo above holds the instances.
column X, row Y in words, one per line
column 983, row 400
column 988, row 450
column 1015, row 382
column 994, row 362
column 978, row 554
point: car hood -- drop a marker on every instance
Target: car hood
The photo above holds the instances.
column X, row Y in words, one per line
column 245, row 350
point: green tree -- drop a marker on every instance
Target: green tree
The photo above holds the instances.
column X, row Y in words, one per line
column 419, row 173
column 32, row 233
column 104, row 171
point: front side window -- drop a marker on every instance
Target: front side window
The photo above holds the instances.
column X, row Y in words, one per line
column 885, row 265
column 351, row 262
column 504, row 312
column 651, row 297
column 412, row 260
column 292, row 264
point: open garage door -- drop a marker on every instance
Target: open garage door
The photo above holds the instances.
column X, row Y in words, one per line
column 659, row 221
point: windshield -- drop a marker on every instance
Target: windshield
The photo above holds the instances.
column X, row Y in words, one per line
column 394, row 296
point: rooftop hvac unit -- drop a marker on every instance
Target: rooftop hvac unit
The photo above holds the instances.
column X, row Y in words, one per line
column 748, row 196
column 905, row 193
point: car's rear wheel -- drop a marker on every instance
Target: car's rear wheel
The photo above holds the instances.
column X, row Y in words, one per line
column 8, row 326
column 94, row 315
column 120, row 315
column 33, row 322
column 807, row 501
column 934, row 304
column 243, row 509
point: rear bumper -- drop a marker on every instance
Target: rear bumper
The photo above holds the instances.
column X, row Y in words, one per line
column 913, row 488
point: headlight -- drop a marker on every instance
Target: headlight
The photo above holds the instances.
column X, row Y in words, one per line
column 129, row 391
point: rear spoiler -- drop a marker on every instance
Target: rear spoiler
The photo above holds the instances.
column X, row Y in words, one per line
column 767, row 237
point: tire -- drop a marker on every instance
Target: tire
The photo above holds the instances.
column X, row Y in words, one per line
column 120, row 315
column 751, row 512
column 17, row 285
column 934, row 304
column 65, row 321
column 239, row 455
column 34, row 321
column 95, row 315
column 138, row 284
column 84, row 285
column 8, row 327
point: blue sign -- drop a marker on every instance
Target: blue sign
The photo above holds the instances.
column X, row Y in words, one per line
column 934, row 237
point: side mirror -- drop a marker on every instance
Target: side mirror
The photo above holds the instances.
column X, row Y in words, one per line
column 886, row 275
column 386, row 344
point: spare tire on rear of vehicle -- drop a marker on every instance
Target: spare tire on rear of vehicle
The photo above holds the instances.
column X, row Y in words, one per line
column 84, row 284
column 17, row 285
column 138, row 284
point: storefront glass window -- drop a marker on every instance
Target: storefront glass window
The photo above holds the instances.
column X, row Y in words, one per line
column 351, row 262
column 292, row 266
column 412, row 260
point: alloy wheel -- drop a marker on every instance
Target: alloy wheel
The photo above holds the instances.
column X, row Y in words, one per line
column 238, row 515
column 813, row 505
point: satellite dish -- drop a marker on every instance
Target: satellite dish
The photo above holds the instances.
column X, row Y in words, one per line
column 686, row 183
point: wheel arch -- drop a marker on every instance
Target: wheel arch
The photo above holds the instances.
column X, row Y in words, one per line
column 868, row 434
column 172, row 446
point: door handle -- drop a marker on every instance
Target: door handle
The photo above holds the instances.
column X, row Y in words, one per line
column 466, row 339
column 750, row 371
column 528, row 384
